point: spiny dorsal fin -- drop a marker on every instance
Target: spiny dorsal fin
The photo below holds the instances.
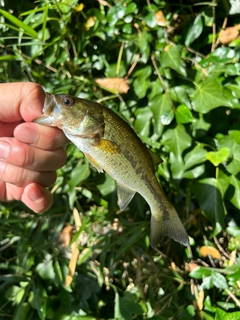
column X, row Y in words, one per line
column 156, row 159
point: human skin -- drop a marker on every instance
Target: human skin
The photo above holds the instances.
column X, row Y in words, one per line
column 30, row 153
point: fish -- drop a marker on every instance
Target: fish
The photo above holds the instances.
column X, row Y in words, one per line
column 110, row 144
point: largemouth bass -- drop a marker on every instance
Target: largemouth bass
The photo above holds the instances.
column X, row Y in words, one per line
column 111, row 145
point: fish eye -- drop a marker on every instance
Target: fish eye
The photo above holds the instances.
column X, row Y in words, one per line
column 68, row 101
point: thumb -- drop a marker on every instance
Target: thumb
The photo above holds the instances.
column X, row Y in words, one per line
column 20, row 101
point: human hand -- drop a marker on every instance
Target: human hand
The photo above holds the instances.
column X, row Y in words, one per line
column 29, row 153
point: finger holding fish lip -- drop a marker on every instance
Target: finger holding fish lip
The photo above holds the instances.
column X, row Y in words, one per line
column 42, row 137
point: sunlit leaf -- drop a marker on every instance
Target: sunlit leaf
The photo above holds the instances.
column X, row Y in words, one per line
column 183, row 114
column 200, row 272
column 28, row 30
column 160, row 106
column 195, row 156
column 219, row 280
column 195, row 30
column 170, row 58
column 217, row 157
column 208, row 95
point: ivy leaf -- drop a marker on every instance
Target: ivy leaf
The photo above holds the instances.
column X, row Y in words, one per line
column 208, row 96
column 195, row 156
column 183, row 114
column 236, row 196
column 194, row 31
column 217, row 157
column 142, row 122
column 176, row 140
column 170, row 58
column 210, row 201
column 234, row 166
column 207, row 283
column 200, row 273
column 160, row 106
column 179, row 94
column 219, row 280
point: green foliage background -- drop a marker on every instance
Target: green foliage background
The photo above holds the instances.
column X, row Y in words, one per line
column 183, row 102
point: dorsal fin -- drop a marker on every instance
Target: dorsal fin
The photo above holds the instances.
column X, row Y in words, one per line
column 156, row 159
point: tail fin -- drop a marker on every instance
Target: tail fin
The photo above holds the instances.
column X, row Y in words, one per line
column 170, row 225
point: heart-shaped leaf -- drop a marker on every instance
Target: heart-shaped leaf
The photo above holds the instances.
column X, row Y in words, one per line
column 217, row 157
column 183, row 114
column 208, row 95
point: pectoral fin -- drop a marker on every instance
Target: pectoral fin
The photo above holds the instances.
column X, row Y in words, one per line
column 125, row 195
column 94, row 162
column 108, row 146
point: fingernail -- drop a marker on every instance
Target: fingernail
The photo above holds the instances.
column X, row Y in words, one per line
column 36, row 195
column 27, row 135
column 4, row 149
column 2, row 166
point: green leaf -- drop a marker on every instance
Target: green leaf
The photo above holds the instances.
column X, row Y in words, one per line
column 45, row 269
column 207, row 282
column 210, row 201
column 194, row 173
column 236, row 196
column 130, row 306
column 208, row 95
column 195, row 30
column 150, row 20
column 143, row 120
column 234, row 166
column 179, row 94
column 233, row 229
column 160, row 106
column 222, row 315
column 235, row 135
column 170, row 58
column 141, row 82
column 177, row 140
column 200, row 273
column 217, row 157
column 167, row 117
column 183, row 114
column 219, row 280
column 28, row 30
column 195, row 156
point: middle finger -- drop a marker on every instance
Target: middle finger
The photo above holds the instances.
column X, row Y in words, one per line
column 29, row 157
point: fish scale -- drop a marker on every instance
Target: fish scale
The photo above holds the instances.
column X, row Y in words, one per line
column 111, row 145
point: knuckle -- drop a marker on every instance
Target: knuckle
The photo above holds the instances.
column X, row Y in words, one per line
column 27, row 159
column 20, row 177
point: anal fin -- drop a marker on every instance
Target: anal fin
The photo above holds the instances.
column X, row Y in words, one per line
column 125, row 195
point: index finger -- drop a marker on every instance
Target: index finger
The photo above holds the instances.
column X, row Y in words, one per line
column 46, row 138
column 20, row 101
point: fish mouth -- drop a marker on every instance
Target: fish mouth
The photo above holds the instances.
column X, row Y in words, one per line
column 48, row 118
